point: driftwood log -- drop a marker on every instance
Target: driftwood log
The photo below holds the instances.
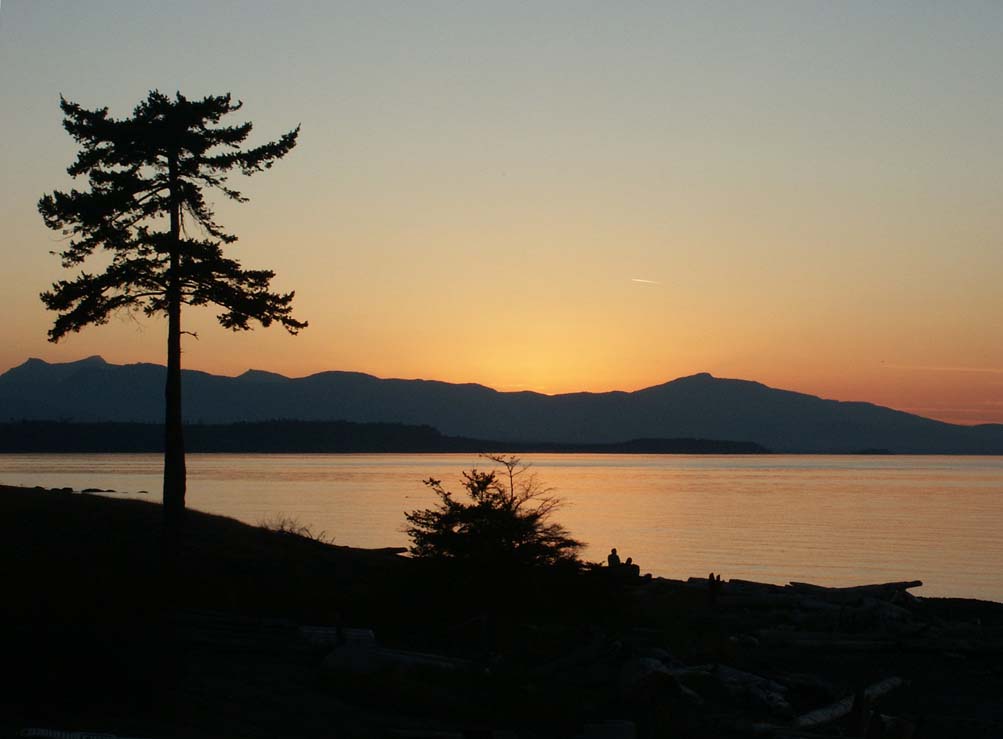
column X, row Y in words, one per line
column 802, row 725
column 881, row 591
column 843, row 707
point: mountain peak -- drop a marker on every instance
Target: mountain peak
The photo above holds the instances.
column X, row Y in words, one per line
column 256, row 375
column 690, row 381
column 35, row 368
column 38, row 364
column 698, row 377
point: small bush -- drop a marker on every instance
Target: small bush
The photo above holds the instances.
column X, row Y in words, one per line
column 507, row 523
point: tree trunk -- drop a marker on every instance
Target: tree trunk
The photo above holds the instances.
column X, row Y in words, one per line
column 174, row 443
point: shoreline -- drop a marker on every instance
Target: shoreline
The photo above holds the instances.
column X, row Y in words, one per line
column 690, row 583
column 223, row 497
column 248, row 610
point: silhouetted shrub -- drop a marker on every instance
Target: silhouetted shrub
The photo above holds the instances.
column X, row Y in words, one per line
column 290, row 526
column 507, row 522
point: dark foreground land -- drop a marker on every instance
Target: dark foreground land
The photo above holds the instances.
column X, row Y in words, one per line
column 263, row 633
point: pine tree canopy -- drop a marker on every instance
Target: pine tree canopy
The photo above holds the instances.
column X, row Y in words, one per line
column 507, row 522
column 146, row 208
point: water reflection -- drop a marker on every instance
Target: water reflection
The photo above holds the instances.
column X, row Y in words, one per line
column 834, row 520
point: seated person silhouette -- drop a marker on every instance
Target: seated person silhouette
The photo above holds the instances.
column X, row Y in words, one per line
column 613, row 559
column 714, row 588
column 631, row 568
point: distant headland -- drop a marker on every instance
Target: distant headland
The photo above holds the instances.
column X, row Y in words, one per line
column 314, row 437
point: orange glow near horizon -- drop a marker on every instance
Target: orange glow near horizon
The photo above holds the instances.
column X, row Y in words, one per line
column 955, row 395
column 804, row 196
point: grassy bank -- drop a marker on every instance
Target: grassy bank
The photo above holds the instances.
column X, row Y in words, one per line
column 103, row 634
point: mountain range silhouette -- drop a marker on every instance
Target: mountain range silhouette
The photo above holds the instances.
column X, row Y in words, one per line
column 697, row 407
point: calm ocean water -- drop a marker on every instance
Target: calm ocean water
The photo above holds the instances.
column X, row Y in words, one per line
column 832, row 520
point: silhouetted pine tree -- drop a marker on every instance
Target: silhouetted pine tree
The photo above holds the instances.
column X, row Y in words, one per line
column 148, row 176
column 506, row 524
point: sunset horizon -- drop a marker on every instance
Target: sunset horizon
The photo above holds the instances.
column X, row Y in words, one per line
column 939, row 415
column 565, row 201
column 546, row 369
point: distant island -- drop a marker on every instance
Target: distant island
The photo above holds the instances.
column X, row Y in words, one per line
column 305, row 437
column 698, row 407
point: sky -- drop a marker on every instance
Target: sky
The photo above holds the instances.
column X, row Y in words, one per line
column 561, row 196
